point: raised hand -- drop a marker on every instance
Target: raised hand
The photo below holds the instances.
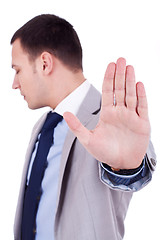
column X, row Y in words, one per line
column 121, row 136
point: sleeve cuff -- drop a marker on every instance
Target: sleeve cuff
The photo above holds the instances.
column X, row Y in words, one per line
column 132, row 180
column 124, row 172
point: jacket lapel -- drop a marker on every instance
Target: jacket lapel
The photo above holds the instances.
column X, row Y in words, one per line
column 86, row 114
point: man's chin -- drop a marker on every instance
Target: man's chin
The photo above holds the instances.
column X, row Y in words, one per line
column 34, row 107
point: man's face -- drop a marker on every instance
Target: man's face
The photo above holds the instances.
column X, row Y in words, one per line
column 27, row 79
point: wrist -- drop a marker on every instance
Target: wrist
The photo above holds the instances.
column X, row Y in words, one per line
column 115, row 169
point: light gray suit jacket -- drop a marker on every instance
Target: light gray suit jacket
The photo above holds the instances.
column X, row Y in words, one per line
column 87, row 208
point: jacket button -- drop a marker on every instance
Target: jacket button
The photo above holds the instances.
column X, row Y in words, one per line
column 153, row 161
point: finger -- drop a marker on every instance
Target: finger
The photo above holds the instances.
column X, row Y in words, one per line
column 142, row 107
column 131, row 96
column 77, row 128
column 108, row 86
column 120, row 82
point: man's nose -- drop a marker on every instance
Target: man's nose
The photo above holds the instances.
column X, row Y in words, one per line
column 15, row 84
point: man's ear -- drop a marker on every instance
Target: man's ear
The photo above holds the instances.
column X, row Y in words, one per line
column 47, row 63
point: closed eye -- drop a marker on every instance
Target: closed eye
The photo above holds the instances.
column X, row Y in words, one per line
column 15, row 67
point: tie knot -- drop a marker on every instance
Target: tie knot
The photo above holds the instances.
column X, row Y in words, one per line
column 52, row 120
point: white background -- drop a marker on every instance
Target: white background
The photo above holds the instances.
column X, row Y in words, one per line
column 108, row 29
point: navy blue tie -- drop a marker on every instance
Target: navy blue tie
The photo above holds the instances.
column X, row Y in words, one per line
column 33, row 190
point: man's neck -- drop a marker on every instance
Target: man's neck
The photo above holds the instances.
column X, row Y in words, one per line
column 64, row 83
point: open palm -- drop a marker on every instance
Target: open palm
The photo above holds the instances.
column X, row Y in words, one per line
column 121, row 136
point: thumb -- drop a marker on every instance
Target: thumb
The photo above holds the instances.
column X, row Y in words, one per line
column 77, row 128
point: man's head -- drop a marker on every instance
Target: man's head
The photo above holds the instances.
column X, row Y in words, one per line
column 52, row 34
column 47, row 58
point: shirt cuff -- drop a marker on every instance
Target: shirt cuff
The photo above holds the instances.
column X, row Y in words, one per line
column 126, row 180
column 124, row 172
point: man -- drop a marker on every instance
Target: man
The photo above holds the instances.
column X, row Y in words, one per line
column 96, row 163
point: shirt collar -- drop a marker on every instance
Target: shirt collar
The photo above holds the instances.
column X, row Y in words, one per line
column 73, row 101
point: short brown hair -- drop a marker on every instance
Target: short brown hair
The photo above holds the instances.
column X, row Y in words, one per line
column 51, row 33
